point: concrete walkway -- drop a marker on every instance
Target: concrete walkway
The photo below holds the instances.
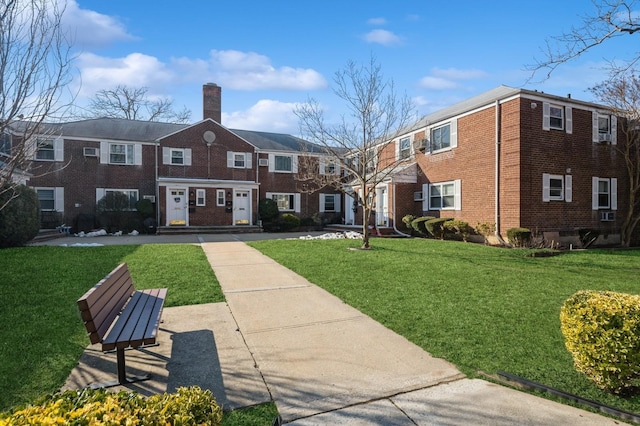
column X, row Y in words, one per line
column 281, row 338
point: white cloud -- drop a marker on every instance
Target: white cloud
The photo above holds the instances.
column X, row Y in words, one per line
column 383, row 37
column 92, row 29
column 265, row 115
column 249, row 71
column 449, row 78
column 135, row 70
column 377, row 21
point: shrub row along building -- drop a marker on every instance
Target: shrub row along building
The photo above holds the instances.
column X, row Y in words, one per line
column 508, row 157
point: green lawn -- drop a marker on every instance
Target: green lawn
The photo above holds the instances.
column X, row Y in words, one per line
column 41, row 335
column 482, row 308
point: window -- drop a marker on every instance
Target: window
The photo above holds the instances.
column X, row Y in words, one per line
column 286, row 202
column 405, row 148
column 46, row 198
column 201, row 195
column 128, row 202
column 329, row 203
column 442, row 196
column 220, row 198
column 50, row 199
column 5, row 143
column 283, row 163
column 121, row 153
column 556, row 187
column 604, row 128
column 239, row 160
column 177, row 156
column 45, row 150
column 441, row 137
column 556, row 117
column 328, row 167
column 605, row 193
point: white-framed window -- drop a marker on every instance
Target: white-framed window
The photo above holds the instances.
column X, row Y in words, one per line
column 444, row 137
column 49, row 149
column 442, row 196
column 283, row 163
column 557, row 117
column 604, row 193
column 288, row 202
column 176, row 156
column 556, row 187
column 131, row 197
column 239, row 160
column 404, row 148
column 220, row 197
column 50, row 199
column 121, row 153
column 605, row 128
column 201, row 197
column 329, row 203
column 329, row 167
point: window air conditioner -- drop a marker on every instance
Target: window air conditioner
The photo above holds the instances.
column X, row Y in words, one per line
column 90, row 151
column 420, row 144
column 604, row 137
column 607, row 216
column 417, row 196
column 151, row 198
column 263, row 162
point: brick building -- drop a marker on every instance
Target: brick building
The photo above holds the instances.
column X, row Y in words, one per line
column 201, row 174
column 513, row 158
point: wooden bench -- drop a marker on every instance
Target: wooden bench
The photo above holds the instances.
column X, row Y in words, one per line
column 119, row 317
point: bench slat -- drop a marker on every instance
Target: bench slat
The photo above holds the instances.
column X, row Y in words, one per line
column 137, row 322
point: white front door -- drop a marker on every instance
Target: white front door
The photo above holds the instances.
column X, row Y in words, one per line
column 382, row 203
column 242, row 208
column 176, row 207
column 349, row 214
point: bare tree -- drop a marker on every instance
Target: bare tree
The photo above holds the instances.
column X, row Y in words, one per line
column 35, row 65
column 135, row 104
column 355, row 152
column 622, row 95
column 612, row 19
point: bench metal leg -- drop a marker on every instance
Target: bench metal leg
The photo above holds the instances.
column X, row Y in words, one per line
column 122, row 375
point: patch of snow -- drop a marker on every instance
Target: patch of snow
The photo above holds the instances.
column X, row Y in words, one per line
column 348, row 235
column 82, row 245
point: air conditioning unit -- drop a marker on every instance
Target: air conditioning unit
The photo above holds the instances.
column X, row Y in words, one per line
column 604, row 137
column 607, row 216
column 417, row 196
column 151, row 198
column 420, row 144
column 263, row 162
column 90, row 151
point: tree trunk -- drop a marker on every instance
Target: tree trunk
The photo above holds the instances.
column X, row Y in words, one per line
column 366, row 215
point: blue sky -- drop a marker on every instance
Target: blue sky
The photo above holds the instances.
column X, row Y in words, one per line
column 269, row 56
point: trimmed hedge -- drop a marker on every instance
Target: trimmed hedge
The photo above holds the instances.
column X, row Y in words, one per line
column 602, row 333
column 459, row 227
column 419, row 224
column 519, row 237
column 436, row 227
column 188, row 406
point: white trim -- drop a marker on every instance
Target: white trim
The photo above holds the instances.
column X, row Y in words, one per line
column 224, row 197
column 201, row 194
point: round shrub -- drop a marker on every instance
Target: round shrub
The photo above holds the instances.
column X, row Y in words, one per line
column 289, row 221
column 188, row 406
column 418, row 224
column 268, row 210
column 519, row 237
column 459, row 227
column 436, row 228
column 407, row 219
column 19, row 218
column 602, row 333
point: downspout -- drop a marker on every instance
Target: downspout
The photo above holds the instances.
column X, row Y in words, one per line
column 395, row 217
column 497, row 176
column 157, row 185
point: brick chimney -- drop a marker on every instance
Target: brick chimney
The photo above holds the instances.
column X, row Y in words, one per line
column 212, row 102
